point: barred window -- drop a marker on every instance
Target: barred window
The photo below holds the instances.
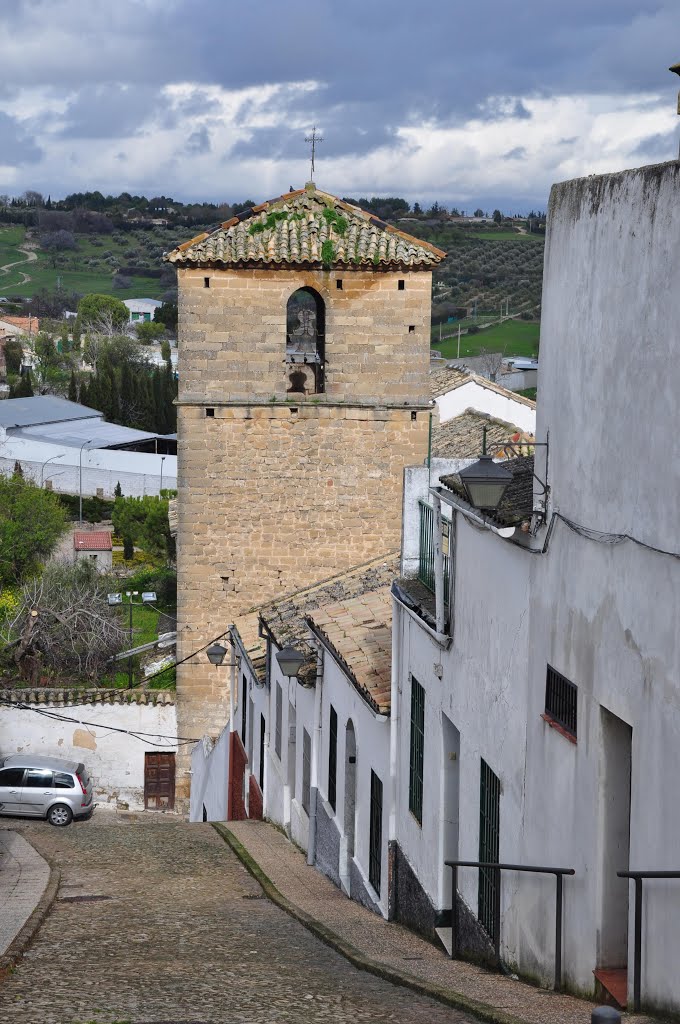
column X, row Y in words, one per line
column 415, row 786
column 375, row 833
column 333, row 758
column 560, row 700
column 277, row 722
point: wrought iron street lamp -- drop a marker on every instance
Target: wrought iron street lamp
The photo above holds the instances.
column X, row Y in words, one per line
column 485, row 482
column 290, row 660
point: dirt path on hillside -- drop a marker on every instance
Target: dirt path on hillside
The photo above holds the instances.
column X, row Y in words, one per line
column 30, row 258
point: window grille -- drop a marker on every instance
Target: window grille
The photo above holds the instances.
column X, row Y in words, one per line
column 306, row 769
column 262, row 728
column 426, row 555
column 277, row 723
column 375, row 836
column 489, row 846
column 332, row 758
column 560, row 700
column 415, row 784
column 244, row 710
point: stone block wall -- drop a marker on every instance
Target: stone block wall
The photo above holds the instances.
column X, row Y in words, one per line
column 233, row 333
column 278, row 492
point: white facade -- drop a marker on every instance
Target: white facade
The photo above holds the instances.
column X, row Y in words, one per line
column 495, row 402
column 595, row 597
column 142, row 309
column 99, row 735
column 138, row 473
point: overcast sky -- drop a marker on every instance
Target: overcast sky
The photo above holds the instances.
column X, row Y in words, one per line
column 464, row 101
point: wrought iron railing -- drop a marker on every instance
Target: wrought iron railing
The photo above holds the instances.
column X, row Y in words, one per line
column 637, row 877
column 497, row 868
column 426, row 549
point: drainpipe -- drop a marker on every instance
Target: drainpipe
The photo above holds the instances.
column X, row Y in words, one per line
column 316, row 754
column 397, row 623
column 438, row 563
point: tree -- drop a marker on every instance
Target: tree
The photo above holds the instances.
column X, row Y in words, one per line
column 167, row 315
column 144, row 521
column 63, row 623
column 165, row 351
column 479, row 213
column 102, row 314
column 24, row 388
column 31, row 522
column 14, row 356
column 118, row 490
column 149, row 331
column 497, row 217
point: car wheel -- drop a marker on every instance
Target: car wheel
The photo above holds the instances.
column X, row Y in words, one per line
column 60, row 815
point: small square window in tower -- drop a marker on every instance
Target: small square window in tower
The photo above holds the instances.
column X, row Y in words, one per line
column 305, row 340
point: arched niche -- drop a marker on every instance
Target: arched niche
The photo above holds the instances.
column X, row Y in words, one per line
column 305, row 342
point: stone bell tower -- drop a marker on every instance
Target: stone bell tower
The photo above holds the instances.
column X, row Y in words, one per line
column 304, row 346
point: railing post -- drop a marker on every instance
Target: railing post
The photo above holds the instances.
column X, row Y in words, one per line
column 637, row 964
column 454, row 912
column 497, row 913
column 558, row 932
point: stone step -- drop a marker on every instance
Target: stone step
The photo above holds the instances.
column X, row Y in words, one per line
column 444, row 936
column 613, row 981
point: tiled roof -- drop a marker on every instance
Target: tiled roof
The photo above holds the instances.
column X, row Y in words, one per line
column 359, row 633
column 95, row 540
column 306, row 228
column 518, row 500
column 26, row 324
column 461, row 437
column 448, row 378
column 284, row 620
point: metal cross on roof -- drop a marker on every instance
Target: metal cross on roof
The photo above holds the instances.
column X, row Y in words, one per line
column 313, row 138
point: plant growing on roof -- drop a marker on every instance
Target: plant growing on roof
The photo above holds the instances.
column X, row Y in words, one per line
column 327, row 253
column 335, row 220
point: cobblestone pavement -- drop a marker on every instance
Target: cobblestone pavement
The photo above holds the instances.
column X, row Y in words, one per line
column 183, row 934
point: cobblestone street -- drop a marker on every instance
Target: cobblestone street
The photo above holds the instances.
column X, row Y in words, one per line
column 183, row 934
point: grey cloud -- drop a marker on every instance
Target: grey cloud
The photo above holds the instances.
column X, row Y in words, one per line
column 518, row 153
column 658, row 147
column 16, row 145
column 112, row 110
column 199, row 141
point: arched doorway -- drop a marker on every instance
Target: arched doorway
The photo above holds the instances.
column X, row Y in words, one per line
column 349, row 815
column 305, row 342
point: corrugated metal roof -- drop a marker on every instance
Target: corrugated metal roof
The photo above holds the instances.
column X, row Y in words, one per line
column 97, row 434
column 25, row 412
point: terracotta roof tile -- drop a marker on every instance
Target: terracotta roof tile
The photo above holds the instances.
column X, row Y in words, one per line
column 285, row 619
column 359, row 633
column 461, row 437
column 92, row 540
column 295, row 229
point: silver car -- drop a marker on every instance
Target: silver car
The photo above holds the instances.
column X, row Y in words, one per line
column 45, row 787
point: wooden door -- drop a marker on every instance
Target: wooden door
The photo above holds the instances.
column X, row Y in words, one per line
column 159, row 782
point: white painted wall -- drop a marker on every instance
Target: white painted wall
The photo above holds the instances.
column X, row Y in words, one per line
column 606, row 616
column 139, row 473
column 372, row 733
column 114, row 759
column 417, row 481
column 474, row 395
column 210, row 778
column 482, row 691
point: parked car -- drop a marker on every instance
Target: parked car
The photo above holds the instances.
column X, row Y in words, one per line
column 34, row 786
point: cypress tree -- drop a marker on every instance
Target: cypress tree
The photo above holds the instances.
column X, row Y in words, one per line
column 83, row 397
column 73, row 388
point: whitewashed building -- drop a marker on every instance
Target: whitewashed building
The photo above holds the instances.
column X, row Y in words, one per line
column 456, row 391
column 544, row 692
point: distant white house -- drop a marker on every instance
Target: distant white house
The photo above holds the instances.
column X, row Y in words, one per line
column 455, row 391
column 142, row 310
column 94, row 545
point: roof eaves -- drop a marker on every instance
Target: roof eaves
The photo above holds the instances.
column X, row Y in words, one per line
column 344, row 665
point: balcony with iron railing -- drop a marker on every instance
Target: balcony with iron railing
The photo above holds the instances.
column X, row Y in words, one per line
column 426, row 571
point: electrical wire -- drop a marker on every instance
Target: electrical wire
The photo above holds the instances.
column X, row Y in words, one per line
column 188, row 657
column 611, row 538
column 143, row 737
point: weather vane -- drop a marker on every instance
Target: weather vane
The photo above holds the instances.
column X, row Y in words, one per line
column 313, row 138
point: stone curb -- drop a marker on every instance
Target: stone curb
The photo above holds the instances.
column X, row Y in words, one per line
column 482, row 1011
column 23, row 939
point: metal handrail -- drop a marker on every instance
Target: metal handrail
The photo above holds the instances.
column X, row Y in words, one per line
column 637, row 877
column 557, row 872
